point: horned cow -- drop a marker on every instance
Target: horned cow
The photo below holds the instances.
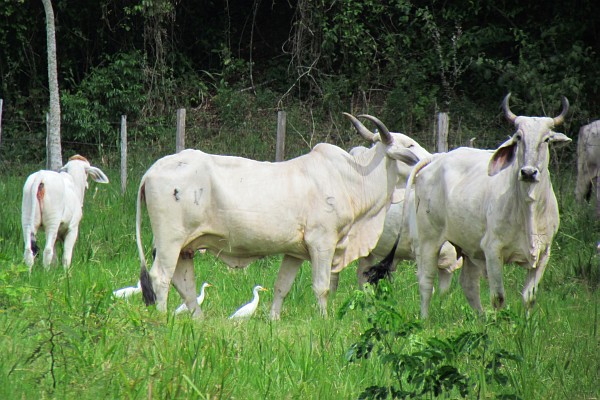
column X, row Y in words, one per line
column 496, row 207
column 397, row 224
column 54, row 201
column 326, row 206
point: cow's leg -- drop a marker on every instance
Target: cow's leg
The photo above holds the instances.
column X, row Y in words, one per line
column 469, row 281
column 426, row 270
column 184, row 281
column 534, row 276
column 321, row 260
column 49, row 249
column 287, row 273
column 493, row 267
column 444, row 280
column 334, row 280
column 161, row 273
column 30, row 245
column 68, row 245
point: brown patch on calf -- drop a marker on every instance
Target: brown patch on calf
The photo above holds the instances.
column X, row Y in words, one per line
column 78, row 157
column 40, row 192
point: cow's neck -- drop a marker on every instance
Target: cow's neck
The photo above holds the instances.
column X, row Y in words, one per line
column 535, row 202
column 79, row 181
column 372, row 167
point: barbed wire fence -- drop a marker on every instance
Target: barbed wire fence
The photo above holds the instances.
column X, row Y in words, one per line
column 132, row 148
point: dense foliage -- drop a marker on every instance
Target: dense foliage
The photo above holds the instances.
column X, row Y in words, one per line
column 402, row 60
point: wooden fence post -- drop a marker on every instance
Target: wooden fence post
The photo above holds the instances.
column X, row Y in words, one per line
column 1, row 102
column 280, row 146
column 180, row 136
column 123, row 153
column 442, row 144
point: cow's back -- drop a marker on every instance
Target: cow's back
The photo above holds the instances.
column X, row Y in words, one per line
column 231, row 204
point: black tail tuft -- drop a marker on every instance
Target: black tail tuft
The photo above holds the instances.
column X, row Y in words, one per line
column 384, row 268
column 34, row 247
column 147, row 290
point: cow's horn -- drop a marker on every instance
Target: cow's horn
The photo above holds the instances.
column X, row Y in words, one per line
column 509, row 114
column 364, row 132
column 384, row 133
column 565, row 108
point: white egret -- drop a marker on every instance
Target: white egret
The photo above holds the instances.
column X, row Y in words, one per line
column 127, row 291
column 199, row 299
column 247, row 310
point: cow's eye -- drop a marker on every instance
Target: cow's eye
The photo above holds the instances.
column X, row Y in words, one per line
column 518, row 138
column 547, row 140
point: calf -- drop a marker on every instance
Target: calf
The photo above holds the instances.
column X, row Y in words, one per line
column 54, row 201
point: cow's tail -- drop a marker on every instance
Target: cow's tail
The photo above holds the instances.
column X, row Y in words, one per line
column 145, row 282
column 385, row 267
column 36, row 194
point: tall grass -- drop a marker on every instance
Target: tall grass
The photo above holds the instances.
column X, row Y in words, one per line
column 63, row 335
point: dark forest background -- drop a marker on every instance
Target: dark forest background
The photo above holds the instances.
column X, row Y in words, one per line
column 233, row 62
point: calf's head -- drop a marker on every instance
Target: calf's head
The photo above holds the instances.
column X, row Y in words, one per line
column 79, row 168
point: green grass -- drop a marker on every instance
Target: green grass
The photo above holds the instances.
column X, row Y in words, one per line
column 63, row 335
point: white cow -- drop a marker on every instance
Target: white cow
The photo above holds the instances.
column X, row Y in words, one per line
column 54, row 201
column 496, row 207
column 397, row 224
column 326, row 206
column 588, row 160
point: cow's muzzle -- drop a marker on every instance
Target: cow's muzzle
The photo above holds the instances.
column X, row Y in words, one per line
column 529, row 174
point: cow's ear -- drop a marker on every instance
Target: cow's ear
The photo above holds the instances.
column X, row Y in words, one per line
column 502, row 157
column 96, row 174
column 559, row 139
column 403, row 155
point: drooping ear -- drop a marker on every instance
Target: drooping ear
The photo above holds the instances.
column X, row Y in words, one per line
column 96, row 174
column 502, row 157
column 404, row 155
column 559, row 139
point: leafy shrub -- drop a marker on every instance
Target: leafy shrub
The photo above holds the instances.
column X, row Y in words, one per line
column 92, row 112
column 423, row 366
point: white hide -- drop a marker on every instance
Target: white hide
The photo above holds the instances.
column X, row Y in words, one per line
column 496, row 206
column 54, row 201
column 327, row 207
column 395, row 222
column 588, row 160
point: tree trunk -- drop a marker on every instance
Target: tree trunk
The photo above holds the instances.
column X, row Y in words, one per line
column 54, row 161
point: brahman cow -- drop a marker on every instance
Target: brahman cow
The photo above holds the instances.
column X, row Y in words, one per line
column 54, row 201
column 588, row 161
column 326, row 206
column 404, row 225
column 495, row 207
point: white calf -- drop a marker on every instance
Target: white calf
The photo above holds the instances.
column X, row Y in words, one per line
column 54, row 201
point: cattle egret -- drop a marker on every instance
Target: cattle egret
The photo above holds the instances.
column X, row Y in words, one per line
column 199, row 299
column 247, row 310
column 128, row 291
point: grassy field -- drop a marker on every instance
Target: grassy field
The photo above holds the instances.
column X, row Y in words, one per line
column 63, row 335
